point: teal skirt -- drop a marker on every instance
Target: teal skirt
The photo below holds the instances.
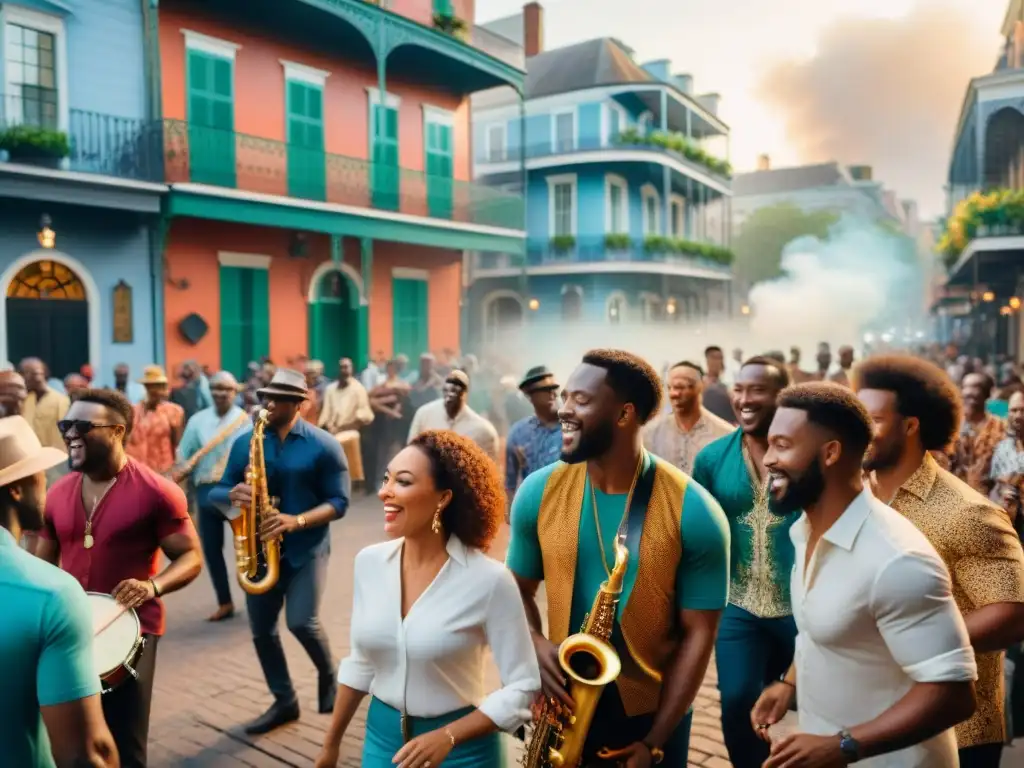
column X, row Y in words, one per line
column 384, row 739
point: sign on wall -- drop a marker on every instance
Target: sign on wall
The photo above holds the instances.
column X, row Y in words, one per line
column 123, row 328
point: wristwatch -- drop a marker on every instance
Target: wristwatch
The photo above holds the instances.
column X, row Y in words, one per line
column 301, row 520
column 849, row 746
column 657, row 754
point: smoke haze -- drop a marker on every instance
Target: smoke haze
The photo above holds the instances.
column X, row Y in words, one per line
column 885, row 92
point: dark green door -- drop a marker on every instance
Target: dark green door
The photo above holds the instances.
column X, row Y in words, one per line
column 211, row 119
column 385, row 173
column 244, row 312
column 54, row 330
column 307, row 169
column 439, row 170
column 410, row 317
column 333, row 321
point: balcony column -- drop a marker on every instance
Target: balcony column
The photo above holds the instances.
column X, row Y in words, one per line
column 689, row 126
column 524, row 258
column 366, row 272
column 666, row 174
column 688, row 210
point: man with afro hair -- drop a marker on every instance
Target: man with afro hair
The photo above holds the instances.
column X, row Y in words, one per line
column 575, row 521
column 916, row 409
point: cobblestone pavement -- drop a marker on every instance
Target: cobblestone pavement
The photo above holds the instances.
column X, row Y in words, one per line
column 209, row 682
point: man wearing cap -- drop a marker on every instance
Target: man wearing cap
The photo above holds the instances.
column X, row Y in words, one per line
column 46, row 657
column 157, row 424
column 535, row 441
column 202, row 457
column 452, row 413
column 307, row 472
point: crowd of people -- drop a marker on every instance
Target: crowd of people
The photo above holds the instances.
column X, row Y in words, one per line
column 844, row 541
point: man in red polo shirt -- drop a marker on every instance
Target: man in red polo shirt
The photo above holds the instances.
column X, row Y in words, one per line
column 106, row 524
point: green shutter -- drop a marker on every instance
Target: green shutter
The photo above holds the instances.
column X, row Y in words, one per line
column 307, row 163
column 244, row 317
column 385, row 174
column 410, row 317
column 444, row 8
column 211, row 119
column 259, row 318
column 439, row 165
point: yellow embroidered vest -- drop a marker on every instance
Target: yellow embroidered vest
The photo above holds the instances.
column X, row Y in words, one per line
column 648, row 616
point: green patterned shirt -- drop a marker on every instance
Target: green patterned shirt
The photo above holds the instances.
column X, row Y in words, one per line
column 761, row 559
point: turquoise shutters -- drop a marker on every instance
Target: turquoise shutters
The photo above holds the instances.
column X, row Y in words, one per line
column 304, row 122
column 244, row 317
column 384, row 172
column 211, row 113
column 438, row 143
column 410, row 315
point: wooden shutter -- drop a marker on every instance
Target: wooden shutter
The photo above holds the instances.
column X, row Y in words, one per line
column 232, row 352
column 307, row 175
column 385, row 157
column 211, row 119
column 259, row 318
column 410, row 317
column 440, row 166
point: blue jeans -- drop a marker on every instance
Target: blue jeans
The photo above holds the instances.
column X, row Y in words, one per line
column 750, row 653
column 211, row 534
column 298, row 591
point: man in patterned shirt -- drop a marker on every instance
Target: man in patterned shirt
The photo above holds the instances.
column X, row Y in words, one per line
column 980, row 431
column 915, row 408
column 679, row 435
column 757, row 633
column 1007, row 473
column 535, row 441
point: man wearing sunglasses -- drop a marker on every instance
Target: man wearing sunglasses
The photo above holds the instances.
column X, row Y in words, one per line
column 106, row 524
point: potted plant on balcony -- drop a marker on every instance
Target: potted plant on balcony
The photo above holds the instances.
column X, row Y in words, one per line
column 562, row 244
column 34, row 145
column 616, row 241
column 451, row 24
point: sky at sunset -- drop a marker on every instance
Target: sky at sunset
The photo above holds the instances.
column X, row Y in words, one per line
column 878, row 82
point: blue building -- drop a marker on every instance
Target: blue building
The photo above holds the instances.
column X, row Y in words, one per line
column 80, row 185
column 627, row 189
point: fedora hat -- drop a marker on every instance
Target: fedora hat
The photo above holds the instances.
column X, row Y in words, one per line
column 153, row 374
column 287, row 384
column 538, row 377
column 21, row 453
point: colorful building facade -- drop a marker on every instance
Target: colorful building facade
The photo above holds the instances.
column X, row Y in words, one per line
column 80, row 187
column 627, row 193
column 318, row 161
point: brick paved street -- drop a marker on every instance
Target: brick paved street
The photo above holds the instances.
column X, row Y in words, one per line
column 209, row 682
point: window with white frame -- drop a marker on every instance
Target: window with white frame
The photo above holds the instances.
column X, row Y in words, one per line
column 563, row 132
column 496, row 144
column 651, row 307
column 617, row 205
column 652, row 210
column 562, row 193
column 616, row 121
column 616, row 307
column 33, row 68
column 677, row 216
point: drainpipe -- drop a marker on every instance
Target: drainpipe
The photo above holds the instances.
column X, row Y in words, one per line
column 157, row 238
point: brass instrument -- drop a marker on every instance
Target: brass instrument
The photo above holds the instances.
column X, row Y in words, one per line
column 246, row 527
column 590, row 663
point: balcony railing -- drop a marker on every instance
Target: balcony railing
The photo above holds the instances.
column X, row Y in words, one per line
column 227, row 159
column 688, row 154
column 107, row 145
column 617, row 248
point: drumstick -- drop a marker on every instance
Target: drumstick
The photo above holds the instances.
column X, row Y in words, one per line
column 120, row 612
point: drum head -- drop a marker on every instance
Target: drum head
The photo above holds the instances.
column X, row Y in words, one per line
column 113, row 646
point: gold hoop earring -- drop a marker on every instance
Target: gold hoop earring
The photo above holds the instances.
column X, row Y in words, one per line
column 436, row 525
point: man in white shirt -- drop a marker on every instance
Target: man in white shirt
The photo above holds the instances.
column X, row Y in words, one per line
column 453, row 413
column 884, row 666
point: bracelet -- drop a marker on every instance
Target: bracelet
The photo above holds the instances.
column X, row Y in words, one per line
column 784, row 681
column 657, row 755
column 451, row 737
column 156, row 589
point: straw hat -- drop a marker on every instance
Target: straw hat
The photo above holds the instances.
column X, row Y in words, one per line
column 153, row 374
column 21, row 454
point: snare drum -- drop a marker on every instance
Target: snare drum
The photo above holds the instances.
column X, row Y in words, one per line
column 117, row 642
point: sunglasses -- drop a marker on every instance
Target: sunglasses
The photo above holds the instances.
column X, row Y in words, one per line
column 80, row 426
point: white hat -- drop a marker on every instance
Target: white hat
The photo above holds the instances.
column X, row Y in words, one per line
column 21, row 453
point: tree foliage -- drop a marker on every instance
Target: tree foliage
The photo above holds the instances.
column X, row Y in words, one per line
column 759, row 244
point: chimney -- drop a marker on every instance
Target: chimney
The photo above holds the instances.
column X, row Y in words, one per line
column 533, row 29
column 710, row 102
column 684, row 83
column 764, row 162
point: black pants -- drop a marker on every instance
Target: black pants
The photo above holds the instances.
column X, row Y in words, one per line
column 126, row 709
column 298, row 592
column 211, row 534
column 981, row 756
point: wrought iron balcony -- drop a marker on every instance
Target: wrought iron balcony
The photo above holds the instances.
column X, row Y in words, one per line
column 249, row 163
column 125, row 148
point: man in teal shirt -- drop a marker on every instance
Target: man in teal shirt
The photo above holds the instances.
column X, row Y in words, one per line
column 50, row 713
column 605, row 473
column 757, row 636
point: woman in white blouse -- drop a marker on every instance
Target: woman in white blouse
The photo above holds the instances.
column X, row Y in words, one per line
column 427, row 605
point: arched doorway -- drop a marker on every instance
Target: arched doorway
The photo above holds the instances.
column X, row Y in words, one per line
column 503, row 317
column 1004, row 149
column 47, row 316
column 333, row 318
column 572, row 303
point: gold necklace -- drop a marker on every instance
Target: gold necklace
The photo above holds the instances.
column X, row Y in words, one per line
column 88, row 540
column 625, row 512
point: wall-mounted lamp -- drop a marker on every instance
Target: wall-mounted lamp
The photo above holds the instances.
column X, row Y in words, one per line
column 1014, row 303
column 1006, row 310
column 533, row 304
column 988, row 296
column 47, row 237
column 744, row 310
column 670, row 307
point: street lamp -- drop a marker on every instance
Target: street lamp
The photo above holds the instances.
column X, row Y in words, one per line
column 47, row 237
column 1014, row 303
column 988, row 296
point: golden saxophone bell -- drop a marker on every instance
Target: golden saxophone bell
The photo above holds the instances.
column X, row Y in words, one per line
column 246, row 527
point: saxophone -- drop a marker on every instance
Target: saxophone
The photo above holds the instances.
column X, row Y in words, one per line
column 246, row 527
column 590, row 663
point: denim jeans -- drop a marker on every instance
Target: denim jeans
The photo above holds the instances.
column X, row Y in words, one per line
column 211, row 525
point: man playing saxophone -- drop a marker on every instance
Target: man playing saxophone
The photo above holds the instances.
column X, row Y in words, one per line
column 574, row 521
column 306, row 472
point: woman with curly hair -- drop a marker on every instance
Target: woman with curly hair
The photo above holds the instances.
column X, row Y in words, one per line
column 426, row 606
